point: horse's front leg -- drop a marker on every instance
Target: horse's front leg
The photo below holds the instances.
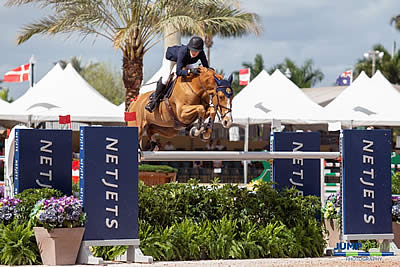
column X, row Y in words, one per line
column 188, row 113
column 206, row 134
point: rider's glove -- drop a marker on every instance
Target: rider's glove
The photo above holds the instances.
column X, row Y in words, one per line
column 195, row 71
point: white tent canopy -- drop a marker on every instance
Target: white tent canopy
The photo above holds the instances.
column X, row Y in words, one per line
column 367, row 102
column 276, row 98
column 66, row 92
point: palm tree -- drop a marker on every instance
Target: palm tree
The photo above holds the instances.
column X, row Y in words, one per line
column 396, row 21
column 5, row 93
column 389, row 65
column 134, row 26
column 303, row 76
column 239, row 24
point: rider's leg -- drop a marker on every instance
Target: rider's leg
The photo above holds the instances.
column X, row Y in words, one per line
column 161, row 86
column 153, row 103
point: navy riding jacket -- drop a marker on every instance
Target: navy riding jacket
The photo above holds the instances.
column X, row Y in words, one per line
column 181, row 55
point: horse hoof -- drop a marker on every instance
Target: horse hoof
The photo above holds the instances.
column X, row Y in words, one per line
column 205, row 137
column 192, row 132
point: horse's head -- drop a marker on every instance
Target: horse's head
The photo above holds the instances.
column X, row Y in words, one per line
column 224, row 95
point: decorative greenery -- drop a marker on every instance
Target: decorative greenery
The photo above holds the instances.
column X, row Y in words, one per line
column 366, row 245
column 331, row 209
column 8, row 209
column 396, row 183
column 108, row 252
column 64, row 212
column 30, row 197
column 156, row 168
column 18, row 245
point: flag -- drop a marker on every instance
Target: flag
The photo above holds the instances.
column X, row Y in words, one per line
column 130, row 116
column 244, row 77
column 18, row 75
column 345, row 78
column 64, row 119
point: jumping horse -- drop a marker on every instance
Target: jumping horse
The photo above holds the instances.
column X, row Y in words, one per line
column 193, row 99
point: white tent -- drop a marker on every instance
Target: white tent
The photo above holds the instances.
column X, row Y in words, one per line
column 367, row 102
column 66, row 92
column 276, row 98
column 254, row 88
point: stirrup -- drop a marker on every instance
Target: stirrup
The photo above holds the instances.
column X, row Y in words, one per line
column 148, row 108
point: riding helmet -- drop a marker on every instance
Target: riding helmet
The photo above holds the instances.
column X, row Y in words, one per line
column 196, row 44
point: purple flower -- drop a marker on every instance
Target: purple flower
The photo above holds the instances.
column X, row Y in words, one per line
column 61, row 212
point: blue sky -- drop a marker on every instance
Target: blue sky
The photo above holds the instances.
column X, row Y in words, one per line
column 334, row 34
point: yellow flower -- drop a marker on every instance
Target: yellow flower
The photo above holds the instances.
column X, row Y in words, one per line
column 38, row 214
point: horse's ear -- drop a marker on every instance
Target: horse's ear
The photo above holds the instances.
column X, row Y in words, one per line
column 230, row 78
column 217, row 80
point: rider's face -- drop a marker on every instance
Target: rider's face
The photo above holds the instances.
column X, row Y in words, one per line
column 194, row 53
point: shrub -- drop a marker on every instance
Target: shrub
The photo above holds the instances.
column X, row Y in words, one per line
column 156, row 168
column 396, row 183
column 108, row 252
column 18, row 244
column 30, row 197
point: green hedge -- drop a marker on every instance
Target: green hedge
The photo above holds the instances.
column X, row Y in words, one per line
column 156, row 168
column 192, row 222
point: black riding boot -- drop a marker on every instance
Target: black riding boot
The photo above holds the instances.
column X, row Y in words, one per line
column 155, row 100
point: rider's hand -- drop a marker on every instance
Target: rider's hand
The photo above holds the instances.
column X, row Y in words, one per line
column 195, row 71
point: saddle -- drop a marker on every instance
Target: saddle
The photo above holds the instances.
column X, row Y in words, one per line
column 168, row 88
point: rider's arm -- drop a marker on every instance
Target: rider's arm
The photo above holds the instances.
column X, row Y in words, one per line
column 203, row 59
column 180, row 64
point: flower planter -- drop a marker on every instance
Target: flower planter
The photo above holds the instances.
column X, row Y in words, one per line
column 396, row 233
column 333, row 236
column 59, row 246
column 155, row 178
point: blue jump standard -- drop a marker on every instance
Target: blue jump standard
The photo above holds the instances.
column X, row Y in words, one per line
column 348, row 254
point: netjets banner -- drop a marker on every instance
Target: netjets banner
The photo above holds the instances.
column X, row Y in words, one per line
column 109, row 182
column 366, row 181
column 43, row 160
column 303, row 174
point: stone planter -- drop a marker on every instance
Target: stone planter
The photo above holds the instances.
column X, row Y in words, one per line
column 396, row 233
column 59, row 246
column 155, row 178
column 333, row 236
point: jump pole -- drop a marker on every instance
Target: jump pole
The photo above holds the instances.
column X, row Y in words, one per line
column 232, row 155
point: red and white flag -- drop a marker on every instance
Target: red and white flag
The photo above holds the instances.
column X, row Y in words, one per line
column 18, row 75
column 244, row 77
column 64, row 119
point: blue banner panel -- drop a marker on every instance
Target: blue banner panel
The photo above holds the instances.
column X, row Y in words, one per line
column 303, row 174
column 367, row 185
column 43, row 158
column 109, row 182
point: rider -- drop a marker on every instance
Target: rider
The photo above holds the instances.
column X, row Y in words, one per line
column 181, row 55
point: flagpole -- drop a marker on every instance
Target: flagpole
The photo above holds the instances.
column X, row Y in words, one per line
column 32, row 61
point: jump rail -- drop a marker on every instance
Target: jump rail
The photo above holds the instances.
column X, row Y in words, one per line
column 232, row 155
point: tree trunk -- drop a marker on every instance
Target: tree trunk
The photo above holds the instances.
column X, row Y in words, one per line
column 132, row 75
column 208, row 40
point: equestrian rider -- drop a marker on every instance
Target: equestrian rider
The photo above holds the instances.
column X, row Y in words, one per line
column 181, row 56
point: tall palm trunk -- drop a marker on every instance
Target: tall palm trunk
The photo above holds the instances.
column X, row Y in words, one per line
column 132, row 76
column 208, row 40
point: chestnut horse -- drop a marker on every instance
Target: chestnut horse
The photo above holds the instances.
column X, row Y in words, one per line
column 193, row 98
